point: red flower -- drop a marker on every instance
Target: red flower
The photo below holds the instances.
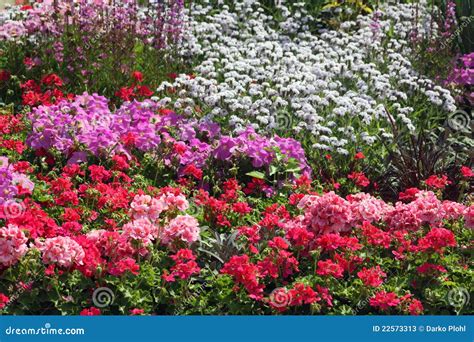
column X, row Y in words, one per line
column 329, row 268
column 278, row 243
column 467, row 172
column 299, row 236
column 30, row 98
column 185, row 266
column 120, row 162
column 295, row 199
column 30, row 85
column 125, row 93
column 359, row 179
column 241, row 208
column 415, row 308
column 409, row 194
column 52, row 80
column 375, row 236
column 437, row 239
column 437, row 182
column 245, row 273
column 372, row 276
column 302, row 294
column 384, row 300
column 430, row 268
column 192, row 170
column 359, row 155
column 129, row 139
column 124, row 265
column 92, row 311
column 251, row 233
column 99, row 173
column 179, row 148
column 137, row 76
column 4, row 75
column 144, row 91
column 3, row 301
column 72, row 170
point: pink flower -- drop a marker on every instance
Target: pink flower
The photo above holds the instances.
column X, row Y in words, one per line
column 144, row 206
column 453, row 210
column 141, row 230
column 137, row 312
column 328, row 213
column 469, row 217
column 175, row 201
column 402, row 217
column 61, row 250
column 182, row 227
column 12, row 245
column 427, row 207
column 365, row 207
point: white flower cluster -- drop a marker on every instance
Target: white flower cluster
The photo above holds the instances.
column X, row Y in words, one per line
column 333, row 86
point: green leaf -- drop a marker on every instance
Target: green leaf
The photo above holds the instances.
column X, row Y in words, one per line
column 256, row 174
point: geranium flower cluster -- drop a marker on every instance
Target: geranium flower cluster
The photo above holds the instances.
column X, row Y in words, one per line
column 334, row 235
column 149, row 224
column 331, row 213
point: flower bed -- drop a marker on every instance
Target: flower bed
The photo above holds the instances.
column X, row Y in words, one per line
column 244, row 184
